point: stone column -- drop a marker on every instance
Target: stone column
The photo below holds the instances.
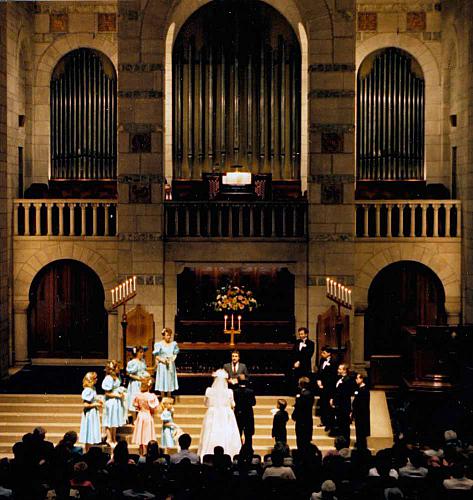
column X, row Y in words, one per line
column 21, row 355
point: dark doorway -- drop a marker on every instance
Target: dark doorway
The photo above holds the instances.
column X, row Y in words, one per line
column 405, row 293
column 66, row 316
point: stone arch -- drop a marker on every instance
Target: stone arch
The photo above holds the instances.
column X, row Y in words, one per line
column 73, row 251
column 290, row 10
column 43, row 71
column 434, row 260
column 433, row 91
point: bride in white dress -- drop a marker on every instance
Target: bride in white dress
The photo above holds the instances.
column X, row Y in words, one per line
column 219, row 427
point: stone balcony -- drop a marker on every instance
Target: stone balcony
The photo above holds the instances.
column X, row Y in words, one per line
column 259, row 220
column 64, row 218
column 408, row 219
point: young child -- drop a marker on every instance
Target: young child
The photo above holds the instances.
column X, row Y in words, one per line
column 114, row 408
column 280, row 419
column 169, row 427
column 145, row 403
column 90, row 421
column 136, row 371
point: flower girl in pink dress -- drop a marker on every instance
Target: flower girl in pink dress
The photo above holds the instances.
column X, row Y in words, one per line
column 145, row 403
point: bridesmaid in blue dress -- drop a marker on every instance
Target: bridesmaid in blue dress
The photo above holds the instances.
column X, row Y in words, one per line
column 90, row 421
column 136, row 371
column 167, row 434
column 166, row 352
column 114, row 414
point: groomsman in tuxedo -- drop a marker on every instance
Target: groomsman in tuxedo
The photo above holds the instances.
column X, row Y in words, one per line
column 341, row 403
column 326, row 378
column 234, row 369
column 302, row 353
column 244, row 402
column 302, row 414
column 361, row 411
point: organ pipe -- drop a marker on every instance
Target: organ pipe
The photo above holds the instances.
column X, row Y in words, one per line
column 390, row 118
column 83, row 117
column 236, row 106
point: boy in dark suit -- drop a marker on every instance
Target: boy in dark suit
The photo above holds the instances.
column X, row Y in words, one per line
column 326, row 378
column 303, row 414
column 341, row 403
column 280, row 418
column 361, row 411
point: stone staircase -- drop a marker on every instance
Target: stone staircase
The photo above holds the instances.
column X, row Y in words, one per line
column 20, row 413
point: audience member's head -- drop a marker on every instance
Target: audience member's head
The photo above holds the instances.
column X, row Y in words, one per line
column 185, row 441
column 120, row 453
column 277, row 458
column 328, row 489
column 70, row 438
column 304, row 382
column 80, row 472
column 340, row 442
column 393, row 494
column 39, row 433
column 218, row 451
column 282, row 448
column 416, row 458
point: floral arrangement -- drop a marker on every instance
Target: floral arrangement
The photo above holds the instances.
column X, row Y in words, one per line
column 234, row 298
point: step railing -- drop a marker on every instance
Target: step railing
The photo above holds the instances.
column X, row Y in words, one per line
column 74, row 217
column 235, row 220
column 408, row 219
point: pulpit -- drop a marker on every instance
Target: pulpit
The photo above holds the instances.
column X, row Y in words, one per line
column 334, row 331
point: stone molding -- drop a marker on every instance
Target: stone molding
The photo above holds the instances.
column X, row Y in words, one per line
column 332, row 68
column 139, row 236
column 327, row 237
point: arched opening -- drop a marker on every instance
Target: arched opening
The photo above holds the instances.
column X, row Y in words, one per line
column 83, row 112
column 390, row 117
column 66, row 314
column 404, row 293
column 236, row 92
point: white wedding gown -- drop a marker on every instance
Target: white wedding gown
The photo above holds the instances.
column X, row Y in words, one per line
column 219, row 427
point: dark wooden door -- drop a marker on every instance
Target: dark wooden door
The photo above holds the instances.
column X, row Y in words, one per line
column 66, row 316
column 405, row 293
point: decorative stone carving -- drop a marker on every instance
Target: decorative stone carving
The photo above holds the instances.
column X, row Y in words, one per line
column 58, row 23
column 416, row 21
column 140, row 192
column 331, row 193
column 367, row 21
column 332, row 142
column 107, row 21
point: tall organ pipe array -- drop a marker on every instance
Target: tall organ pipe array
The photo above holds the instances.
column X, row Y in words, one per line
column 236, row 103
column 83, row 110
column 390, row 119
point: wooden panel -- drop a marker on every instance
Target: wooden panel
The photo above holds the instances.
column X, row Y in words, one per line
column 140, row 331
column 327, row 333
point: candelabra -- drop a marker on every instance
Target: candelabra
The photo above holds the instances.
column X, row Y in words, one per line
column 121, row 294
column 341, row 295
column 232, row 331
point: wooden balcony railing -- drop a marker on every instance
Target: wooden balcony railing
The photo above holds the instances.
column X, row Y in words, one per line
column 48, row 217
column 408, row 219
column 236, row 220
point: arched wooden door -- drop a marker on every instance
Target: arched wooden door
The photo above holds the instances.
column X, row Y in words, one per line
column 405, row 293
column 66, row 315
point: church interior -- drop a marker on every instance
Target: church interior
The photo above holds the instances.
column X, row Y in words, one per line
column 236, row 170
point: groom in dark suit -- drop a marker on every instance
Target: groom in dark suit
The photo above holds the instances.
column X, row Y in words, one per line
column 234, row 369
column 244, row 402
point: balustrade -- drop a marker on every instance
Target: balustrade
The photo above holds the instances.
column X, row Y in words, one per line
column 236, row 220
column 64, row 217
column 408, row 219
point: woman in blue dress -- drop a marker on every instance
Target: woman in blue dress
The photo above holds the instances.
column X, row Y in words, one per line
column 136, row 371
column 166, row 352
column 114, row 414
column 90, row 421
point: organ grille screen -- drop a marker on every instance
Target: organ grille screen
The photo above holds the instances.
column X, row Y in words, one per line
column 390, row 117
column 236, row 91
column 83, row 111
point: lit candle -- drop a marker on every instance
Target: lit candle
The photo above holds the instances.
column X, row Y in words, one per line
column 130, row 284
column 113, row 296
column 328, row 285
column 233, row 327
column 120, row 291
column 339, row 294
column 125, row 286
column 225, row 319
column 134, row 283
column 331, row 287
column 349, row 297
column 344, row 294
column 239, row 323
